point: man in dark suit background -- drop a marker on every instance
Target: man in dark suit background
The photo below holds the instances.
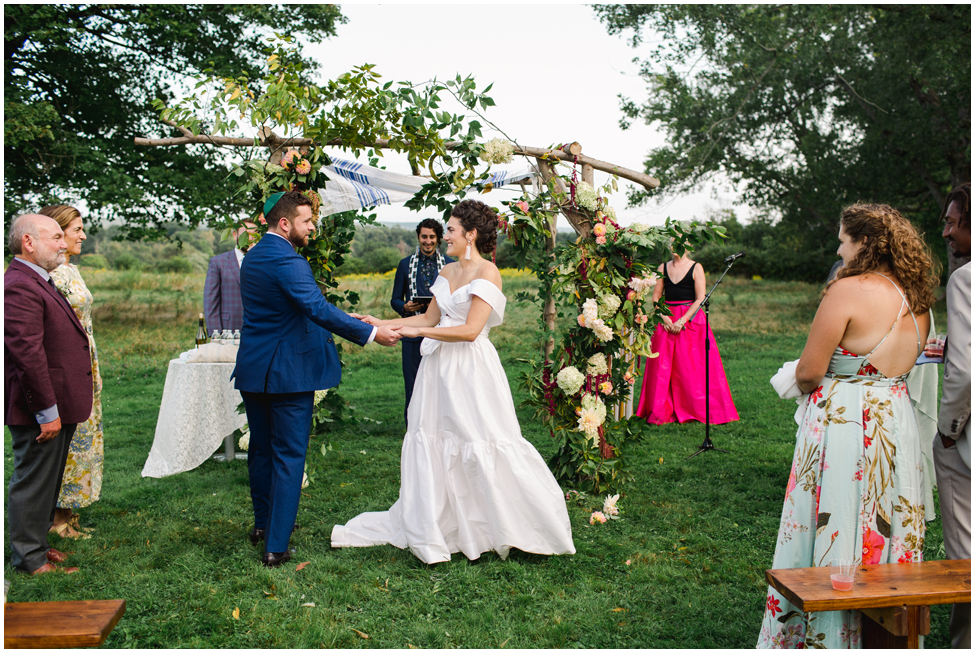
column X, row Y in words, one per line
column 221, row 291
column 286, row 353
column 47, row 387
column 414, row 276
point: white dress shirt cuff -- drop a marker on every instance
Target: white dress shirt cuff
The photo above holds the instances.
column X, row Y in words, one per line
column 372, row 336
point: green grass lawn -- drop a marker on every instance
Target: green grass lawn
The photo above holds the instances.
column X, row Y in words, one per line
column 682, row 566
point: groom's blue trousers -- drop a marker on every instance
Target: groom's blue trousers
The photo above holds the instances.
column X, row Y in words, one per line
column 279, row 426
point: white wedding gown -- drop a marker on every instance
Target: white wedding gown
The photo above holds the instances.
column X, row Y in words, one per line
column 470, row 482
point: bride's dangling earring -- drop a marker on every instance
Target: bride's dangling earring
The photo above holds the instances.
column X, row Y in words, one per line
column 467, row 254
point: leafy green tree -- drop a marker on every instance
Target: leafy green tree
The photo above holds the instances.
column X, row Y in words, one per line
column 808, row 108
column 79, row 81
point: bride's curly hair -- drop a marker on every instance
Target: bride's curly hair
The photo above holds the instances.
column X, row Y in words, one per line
column 890, row 243
column 478, row 215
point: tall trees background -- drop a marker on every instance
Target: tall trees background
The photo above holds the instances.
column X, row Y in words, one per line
column 78, row 85
column 807, row 108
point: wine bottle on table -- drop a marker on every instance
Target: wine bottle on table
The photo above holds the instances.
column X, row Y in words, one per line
column 201, row 332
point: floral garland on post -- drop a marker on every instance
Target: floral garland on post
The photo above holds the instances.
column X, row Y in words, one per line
column 603, row 283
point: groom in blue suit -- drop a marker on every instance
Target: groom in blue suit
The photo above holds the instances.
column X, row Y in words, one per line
column 286, row 352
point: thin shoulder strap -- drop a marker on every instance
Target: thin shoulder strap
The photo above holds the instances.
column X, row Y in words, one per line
column 891, row 330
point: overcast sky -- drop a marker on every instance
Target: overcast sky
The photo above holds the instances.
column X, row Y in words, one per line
column 557, row 76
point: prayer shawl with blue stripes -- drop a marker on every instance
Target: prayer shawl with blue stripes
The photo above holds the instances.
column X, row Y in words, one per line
column 352, row 186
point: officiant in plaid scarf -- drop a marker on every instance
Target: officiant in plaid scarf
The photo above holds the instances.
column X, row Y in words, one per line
column 414, row 276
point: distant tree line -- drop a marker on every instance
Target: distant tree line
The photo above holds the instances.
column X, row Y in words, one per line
column 379, row 249
column 376, row 249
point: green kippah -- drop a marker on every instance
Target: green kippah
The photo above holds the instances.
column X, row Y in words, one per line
column 271, row 201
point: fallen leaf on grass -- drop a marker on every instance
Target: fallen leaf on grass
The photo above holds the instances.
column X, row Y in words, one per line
column 301, row 565
column 619, row 610
column 236, row 613
column 661, row 461
column 308, row 605
column 359, row 633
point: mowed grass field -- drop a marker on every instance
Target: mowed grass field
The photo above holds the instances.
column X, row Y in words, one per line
column 682, row 567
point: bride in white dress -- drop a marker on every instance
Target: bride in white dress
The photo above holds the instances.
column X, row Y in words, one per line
column 470, row 482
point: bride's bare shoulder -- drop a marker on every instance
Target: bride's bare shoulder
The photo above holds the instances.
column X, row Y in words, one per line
column 490, row 272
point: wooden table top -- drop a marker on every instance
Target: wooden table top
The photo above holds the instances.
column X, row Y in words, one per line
column 60, row 624
column 877, row 586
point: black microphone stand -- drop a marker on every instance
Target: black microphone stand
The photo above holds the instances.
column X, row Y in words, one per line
column 707, row 445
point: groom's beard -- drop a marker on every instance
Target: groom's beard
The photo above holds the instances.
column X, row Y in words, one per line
column 296, row 241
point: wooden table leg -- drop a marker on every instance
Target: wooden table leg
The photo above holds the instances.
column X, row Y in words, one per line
column 898, row 627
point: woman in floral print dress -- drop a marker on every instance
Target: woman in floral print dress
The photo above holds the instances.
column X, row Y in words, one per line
column 855, row 490
column 81, row 484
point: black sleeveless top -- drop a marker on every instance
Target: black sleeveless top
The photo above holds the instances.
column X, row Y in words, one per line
column 683, row 290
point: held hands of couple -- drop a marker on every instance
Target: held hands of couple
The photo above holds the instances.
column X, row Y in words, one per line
column 388, row 335
column 385, row 335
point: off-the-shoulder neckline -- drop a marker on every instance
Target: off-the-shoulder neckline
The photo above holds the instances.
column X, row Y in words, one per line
column 454, row 292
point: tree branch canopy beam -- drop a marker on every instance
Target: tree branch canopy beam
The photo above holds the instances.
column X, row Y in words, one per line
column 541, row 153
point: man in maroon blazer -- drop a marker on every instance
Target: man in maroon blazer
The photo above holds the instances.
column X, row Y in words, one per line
column 47, row 387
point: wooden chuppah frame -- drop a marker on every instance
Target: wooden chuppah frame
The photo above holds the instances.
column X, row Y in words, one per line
column 544, row 157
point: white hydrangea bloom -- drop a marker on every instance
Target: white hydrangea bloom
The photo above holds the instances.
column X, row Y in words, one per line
column 592, row 416
column 643, row 285
column 608, row 305
column 597, row 365
column 570, row 380
column 586, row 196
column 319, row 395
column 590, row 311
column 304, row 481
column 497, row 150
column 244, row 441
column 639, row 227
column 602, row 331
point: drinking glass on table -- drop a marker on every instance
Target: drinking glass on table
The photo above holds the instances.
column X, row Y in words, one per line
column 842, row 574
column 935, row 347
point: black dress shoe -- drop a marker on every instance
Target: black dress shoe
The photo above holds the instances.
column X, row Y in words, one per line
column 275, row 559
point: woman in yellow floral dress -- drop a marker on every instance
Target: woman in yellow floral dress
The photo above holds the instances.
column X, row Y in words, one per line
column 855, row 490
column 81, row 484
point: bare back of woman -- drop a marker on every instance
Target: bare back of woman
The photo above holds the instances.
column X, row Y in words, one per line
column 880, row 315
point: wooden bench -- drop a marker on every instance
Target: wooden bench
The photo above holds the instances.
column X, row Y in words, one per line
column 896, row 598
column 59, row 624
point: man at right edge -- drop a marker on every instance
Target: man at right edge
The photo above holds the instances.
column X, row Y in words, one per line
column 952, row 446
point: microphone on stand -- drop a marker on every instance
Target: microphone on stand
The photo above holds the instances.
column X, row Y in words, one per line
column 734, row 257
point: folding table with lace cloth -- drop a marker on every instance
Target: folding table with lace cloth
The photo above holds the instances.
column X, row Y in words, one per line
column 198, row 411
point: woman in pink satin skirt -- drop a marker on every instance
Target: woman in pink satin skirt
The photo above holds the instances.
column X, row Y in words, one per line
column 674, row 382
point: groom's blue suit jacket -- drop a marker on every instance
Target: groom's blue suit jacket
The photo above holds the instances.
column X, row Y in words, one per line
column 286, row 344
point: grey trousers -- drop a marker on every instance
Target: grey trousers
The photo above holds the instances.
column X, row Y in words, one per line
column 955, row 494
column 33, row 494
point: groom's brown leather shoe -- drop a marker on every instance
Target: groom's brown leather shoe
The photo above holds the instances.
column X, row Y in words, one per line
column 53, row 555
column 275, row 559
column 50, row 566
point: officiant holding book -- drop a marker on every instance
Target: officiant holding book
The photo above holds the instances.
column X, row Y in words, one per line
column 411, row 291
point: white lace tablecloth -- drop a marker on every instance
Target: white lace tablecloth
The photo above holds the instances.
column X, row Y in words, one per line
column 198, row 410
